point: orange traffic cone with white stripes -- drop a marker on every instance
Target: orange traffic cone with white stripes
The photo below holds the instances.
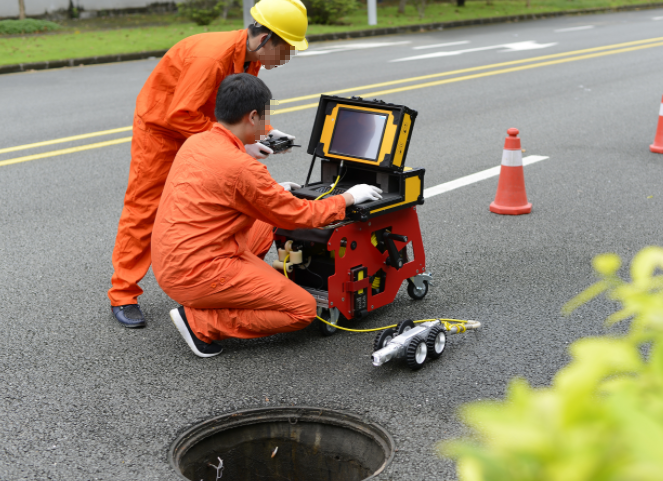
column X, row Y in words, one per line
column 511, row 197
column 657, row 146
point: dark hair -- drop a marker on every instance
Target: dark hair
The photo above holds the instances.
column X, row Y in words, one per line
column 238, row 95
column 256, row 29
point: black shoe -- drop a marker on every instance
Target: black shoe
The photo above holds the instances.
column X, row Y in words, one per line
column 199, row 348
column 129, row 315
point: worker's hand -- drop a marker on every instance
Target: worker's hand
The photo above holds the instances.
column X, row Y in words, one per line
column 364, row 192
column 290, row 186
column 258, row 151
column 277, row 134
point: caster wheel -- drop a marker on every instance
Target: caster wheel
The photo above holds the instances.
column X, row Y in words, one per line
column 382, row 339
column 325, row 329
column 416, row 353
column 436, row 341
column 417, row 293
column 403, row 326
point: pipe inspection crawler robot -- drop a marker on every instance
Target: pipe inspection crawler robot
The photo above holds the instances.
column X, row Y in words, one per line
column 357, row 265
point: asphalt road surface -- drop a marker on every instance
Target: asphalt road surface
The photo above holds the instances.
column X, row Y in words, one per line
column 83, row 399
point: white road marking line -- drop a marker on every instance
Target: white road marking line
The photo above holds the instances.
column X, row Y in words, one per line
column 440, row 45
column 348, row 47
column 509, row 47
column 573, row 29
column 473, row 178
column 657, row 18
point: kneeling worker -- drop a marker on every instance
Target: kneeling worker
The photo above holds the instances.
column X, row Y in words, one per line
column 215, row 224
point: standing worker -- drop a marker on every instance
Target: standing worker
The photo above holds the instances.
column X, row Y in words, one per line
column 176, row 102
column 214, row 227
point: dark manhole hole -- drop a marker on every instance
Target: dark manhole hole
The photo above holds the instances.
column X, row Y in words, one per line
column 282, row 444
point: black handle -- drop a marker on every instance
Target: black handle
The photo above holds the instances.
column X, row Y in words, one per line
column 394, row 257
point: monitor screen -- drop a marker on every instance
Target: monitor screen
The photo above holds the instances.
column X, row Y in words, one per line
column 358, row 134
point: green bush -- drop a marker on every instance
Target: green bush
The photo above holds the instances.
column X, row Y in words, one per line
column 202, row 12
column 29, row 25
column 329, row 12
column 602, row 418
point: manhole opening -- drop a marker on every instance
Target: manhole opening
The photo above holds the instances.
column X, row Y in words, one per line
column 293, row 444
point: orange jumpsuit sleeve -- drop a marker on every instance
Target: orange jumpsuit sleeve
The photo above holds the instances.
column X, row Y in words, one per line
column 258, row 195
column 199, row 80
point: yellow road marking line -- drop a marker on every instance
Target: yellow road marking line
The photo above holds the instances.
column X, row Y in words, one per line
column 64, row 151
column 65, row 139
column 508, row 70
column 313, row 105
column 354, row 89
column 294, row 109
column 471, row 69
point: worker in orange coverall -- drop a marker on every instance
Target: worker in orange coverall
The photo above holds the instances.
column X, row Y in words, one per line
column 176, row 102
column 215, row 224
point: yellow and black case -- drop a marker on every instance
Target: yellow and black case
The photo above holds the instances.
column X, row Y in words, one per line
column 348, row 159
column 390, row 127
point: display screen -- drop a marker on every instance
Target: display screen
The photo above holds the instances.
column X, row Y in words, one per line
column 358, row 134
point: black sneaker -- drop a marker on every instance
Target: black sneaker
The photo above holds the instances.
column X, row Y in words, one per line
column 129, row 315
column 199, row 348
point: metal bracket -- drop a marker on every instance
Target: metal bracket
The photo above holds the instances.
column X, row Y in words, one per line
column 321, row 297
column 334, row 314
column 418, row 280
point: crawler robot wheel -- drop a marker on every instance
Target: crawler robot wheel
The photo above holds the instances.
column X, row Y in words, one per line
column 382, row 339
column 416, row 293
column 436, row 341
column 404, row 326
column 416, row 353
column 325, row 329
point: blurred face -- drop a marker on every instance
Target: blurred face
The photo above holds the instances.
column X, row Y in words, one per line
column 261, row 123
column 271, row 55
column 254, row 127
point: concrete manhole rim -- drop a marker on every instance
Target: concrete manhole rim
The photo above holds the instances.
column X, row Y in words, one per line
column 225, row 422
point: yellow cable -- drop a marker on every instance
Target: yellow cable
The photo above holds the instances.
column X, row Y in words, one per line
column 332, row 188
column 287, row 256
column 443, row 321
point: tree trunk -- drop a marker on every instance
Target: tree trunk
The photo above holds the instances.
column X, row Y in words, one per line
column 401, row 6
column 226, row 8
column 460, row 3
column 421, row 6
column 21, row 9
column 527, row 3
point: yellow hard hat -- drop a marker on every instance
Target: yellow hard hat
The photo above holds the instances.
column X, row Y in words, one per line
column 286, row 18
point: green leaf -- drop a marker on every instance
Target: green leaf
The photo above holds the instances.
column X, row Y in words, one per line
column 607, row 264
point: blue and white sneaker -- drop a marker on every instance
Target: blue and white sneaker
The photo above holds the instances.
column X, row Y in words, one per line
column 199, row 348
column 129, row 315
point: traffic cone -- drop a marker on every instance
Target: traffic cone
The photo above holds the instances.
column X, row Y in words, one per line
column 511, row 197
column 657, row 146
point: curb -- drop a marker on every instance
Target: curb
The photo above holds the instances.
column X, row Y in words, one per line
column 425, row 27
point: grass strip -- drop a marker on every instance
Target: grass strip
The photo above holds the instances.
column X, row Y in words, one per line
column 28, row 25
column 75, row 42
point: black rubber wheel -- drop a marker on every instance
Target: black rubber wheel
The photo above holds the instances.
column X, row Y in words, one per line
column 436, row 341
column 383, row 338
column 416, row 353
column 414, row 293
column 325, row 329
column 405, row 325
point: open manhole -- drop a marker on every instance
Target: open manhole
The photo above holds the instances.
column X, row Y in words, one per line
column 293, row 444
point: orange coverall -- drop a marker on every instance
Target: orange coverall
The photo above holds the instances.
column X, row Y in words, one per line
column 176, row 102
column 214, row 226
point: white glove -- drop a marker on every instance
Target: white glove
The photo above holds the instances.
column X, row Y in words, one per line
column 290, row 186
column 258, row 151
column 277, row 134
column 364, row 192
